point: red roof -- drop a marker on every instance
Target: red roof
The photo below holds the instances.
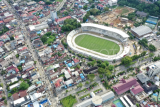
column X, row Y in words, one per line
column 57, row 84
column 62, row 19
column 100, row 5
column 137, row 89
column 19, row 94
column 75, row 60
column 1, row 43
column 1, row 21
column 125, row 85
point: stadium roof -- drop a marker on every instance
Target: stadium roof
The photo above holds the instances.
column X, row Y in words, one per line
column 142, row 30
column 120, row 32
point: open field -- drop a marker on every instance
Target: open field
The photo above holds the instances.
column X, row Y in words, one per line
column 113, row 18
column 68, row 101
column 58, row 0
column 97, row 44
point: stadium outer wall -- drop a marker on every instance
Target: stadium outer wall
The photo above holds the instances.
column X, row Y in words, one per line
column 124, row 49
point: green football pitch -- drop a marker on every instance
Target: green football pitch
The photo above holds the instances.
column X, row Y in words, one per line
column 97, row 44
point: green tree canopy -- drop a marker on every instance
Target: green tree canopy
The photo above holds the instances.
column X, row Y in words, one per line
column 111, row 67
column 152, row 48
column 23, row 86
column 126, row 60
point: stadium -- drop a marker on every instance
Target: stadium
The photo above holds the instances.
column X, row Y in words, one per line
column 98, row 41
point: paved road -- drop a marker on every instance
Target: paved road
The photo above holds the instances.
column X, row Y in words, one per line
column 35, row 58
column 57, row 9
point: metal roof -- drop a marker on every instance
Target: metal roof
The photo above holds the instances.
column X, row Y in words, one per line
column 142, row 77
column 142, row 30
column 118, row 31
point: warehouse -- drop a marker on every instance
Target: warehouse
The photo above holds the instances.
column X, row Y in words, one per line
column 141, row 31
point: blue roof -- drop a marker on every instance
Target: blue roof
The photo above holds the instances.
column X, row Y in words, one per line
column 65, row 62
column 82, row 76
column 22, row 61
column 55, row 46
column 69, row 64
column 38, row 82
column 38, row 32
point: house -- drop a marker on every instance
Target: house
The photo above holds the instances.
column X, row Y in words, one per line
column 21, row 101
column 126, row 85
column 141, row 14
column 112, row 2
column 2, row 52
column 100, row 6
column 12, row 69
column 19, row 94
column 14, row 86
column 4, row 38
column 76, row 61
column 59, row 83
column 61, row 20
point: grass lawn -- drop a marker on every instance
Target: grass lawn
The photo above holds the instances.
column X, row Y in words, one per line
column 124, row 10
column 68, row 101
column 119, row 7
column 97, row 44
column 58, row 0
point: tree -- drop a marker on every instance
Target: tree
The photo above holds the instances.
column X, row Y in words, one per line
column 17, row 55
column 23, row 86
column 143, row 53
column 35, row 62
column 90, row 58
column 93, row 6
column 103, row 65
column 9, row 95
column 85, row 7
column 151, row 54
column 152, row 48
column 78, row 66
column 11, row 38
column 66, row 91
column 1, row 84
column 48, row 2
column 65, row 13
column 3, row 98
column 5, row 102
column 87, row 82
column 100, row 76
column 79, row 85
column 101, row 70
column 91, row 77
column 106, row 62
column 106, row 9
column 111, row 67
column 108, row 73
column 126, row 60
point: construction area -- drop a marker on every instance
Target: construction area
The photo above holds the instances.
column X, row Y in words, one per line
column 113, row 18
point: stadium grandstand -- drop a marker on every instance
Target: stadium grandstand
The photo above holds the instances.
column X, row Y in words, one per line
column 97, row 37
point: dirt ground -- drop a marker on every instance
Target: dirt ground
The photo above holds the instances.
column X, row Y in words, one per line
column 113, row 17
column 132, row 50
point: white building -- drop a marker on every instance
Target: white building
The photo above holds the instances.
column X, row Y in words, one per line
column 112, row 2
column 153, row 69
column 41, row 26
column 53, row 15
column 97, row 100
